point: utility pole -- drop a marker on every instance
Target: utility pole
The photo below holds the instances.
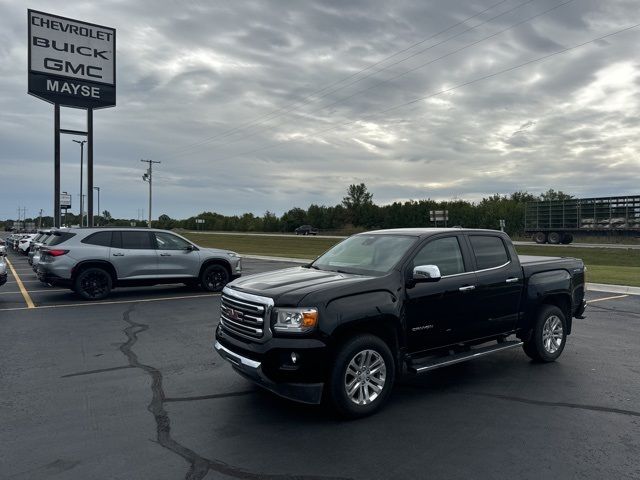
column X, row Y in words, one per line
column 81, row 143
column 148, row 177
column 98, row 189
column 40, row 220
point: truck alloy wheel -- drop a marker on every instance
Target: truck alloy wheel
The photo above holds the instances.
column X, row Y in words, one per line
column 548, row 336
column 93, row 284
column 362, row 376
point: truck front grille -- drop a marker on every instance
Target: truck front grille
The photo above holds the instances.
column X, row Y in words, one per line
column 241, row 315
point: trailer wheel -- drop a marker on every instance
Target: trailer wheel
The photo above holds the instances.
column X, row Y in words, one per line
column 567, row 238
column 555, row 238
column 540, row 237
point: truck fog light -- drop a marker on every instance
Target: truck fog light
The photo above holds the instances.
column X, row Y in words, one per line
column 294, row 357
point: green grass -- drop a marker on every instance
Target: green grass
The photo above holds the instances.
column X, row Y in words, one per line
column 613, row 266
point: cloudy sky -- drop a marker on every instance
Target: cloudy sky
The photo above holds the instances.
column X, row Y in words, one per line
column 266, row 105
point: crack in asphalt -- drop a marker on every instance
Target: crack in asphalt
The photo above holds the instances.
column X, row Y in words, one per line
column 579, row 406
column 198, row 466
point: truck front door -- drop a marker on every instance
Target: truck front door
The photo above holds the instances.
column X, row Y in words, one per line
column 439, row 313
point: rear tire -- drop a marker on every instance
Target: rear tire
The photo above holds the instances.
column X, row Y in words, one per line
column 362, row 376
column 93, row 284
column 555, row 238
column 214, row 278
column 540, row 237
column 549, row 335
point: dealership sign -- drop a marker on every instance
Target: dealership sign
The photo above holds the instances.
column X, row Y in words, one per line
column 71, row 63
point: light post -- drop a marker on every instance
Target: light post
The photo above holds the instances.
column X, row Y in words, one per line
column 81, row 143
column 98, row 189
column 148, row 177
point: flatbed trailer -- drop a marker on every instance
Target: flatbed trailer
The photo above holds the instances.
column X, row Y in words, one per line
column 556, row 221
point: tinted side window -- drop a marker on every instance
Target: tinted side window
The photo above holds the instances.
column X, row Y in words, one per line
column 58, row 238
column 444, row 253
column 102, row 239
column 136, row 240
column 489, row 251
column 166, row 241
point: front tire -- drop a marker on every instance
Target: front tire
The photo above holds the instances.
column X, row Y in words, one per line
column 549, row 335
column 214, row 278
column 93, row 284
column 362, row 376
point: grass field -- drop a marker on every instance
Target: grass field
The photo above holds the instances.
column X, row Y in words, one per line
column 614, row 266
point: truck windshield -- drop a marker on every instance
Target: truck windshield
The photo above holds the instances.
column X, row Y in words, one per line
column 365, row 254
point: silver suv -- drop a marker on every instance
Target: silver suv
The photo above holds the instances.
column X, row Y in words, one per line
column 92, row 261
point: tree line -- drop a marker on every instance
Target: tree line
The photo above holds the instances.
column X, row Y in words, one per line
column 356, row 212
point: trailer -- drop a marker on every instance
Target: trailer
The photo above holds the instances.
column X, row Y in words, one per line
column 556, row 221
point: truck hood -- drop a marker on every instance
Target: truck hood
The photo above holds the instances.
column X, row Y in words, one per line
column 291, row 285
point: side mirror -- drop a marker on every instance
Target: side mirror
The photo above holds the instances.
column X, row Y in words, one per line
column 189, row 248
column 426, row 273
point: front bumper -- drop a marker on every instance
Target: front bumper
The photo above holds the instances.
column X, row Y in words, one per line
column 580, row 311
column 252, row 369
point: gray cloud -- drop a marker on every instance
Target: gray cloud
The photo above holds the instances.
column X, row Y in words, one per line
column 189, row 72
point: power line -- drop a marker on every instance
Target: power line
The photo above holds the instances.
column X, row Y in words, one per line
column 472, row 44
column 446, row 90
column 305, row 100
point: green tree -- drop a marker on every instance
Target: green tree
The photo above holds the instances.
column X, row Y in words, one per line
column 551, row 194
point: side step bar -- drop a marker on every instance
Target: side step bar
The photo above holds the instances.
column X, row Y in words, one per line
column 417, row 366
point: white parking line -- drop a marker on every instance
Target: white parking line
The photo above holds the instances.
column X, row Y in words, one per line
column 114, row 302
column 606, row 298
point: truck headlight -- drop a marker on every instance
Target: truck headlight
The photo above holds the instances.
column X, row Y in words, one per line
column 295, row 320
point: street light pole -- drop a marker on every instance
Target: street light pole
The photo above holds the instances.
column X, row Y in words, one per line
column 98, row 189
column 148, row 177
column 81, row 143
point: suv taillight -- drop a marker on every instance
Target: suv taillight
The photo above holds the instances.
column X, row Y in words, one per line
column 56, row 252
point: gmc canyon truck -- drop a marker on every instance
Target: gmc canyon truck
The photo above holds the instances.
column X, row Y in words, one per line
column 393, row 302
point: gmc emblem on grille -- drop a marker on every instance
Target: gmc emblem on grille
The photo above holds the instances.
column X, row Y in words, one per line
column 234, row 314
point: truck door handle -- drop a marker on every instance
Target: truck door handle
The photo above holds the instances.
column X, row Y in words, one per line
column 118, row 254
column 512, row 280
column 165, row 254
column 467, row 288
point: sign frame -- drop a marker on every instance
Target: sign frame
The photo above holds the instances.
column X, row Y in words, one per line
column 38, row 81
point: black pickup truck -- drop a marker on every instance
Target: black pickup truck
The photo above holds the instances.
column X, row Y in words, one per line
column 385, row 303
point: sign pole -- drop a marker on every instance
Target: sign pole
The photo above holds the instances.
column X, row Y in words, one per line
column 56, row 165
column 90, row 167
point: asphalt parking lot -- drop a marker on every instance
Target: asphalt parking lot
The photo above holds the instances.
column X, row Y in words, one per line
column 130, row 388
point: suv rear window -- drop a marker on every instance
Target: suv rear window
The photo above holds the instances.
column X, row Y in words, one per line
column 490, row 252
column 137, row 240
column 57, row 238
column 102, row 239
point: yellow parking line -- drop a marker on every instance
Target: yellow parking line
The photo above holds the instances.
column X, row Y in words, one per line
column 112, row 302
column 606, row 298
column 23, row 290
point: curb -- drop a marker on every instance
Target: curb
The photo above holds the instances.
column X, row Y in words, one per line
column 594, row 287
column 603, row 287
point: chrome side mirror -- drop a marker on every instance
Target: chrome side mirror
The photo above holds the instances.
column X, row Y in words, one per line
column 426, row 273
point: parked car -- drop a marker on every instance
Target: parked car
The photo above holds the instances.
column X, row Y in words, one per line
column 383, row 303
column 306, row 230
column 3, row 270
column 36, row 243
column 24, row 245
column 93, row 261
column 3, row 247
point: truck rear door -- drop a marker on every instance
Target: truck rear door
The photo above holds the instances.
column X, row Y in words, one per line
column 499, row 285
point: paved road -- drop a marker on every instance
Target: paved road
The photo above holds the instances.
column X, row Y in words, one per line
column 133, row 390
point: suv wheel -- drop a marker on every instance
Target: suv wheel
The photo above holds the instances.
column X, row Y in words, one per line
column 93, row 284
column 214, row 278
column 549, row 335
column 362, row 376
